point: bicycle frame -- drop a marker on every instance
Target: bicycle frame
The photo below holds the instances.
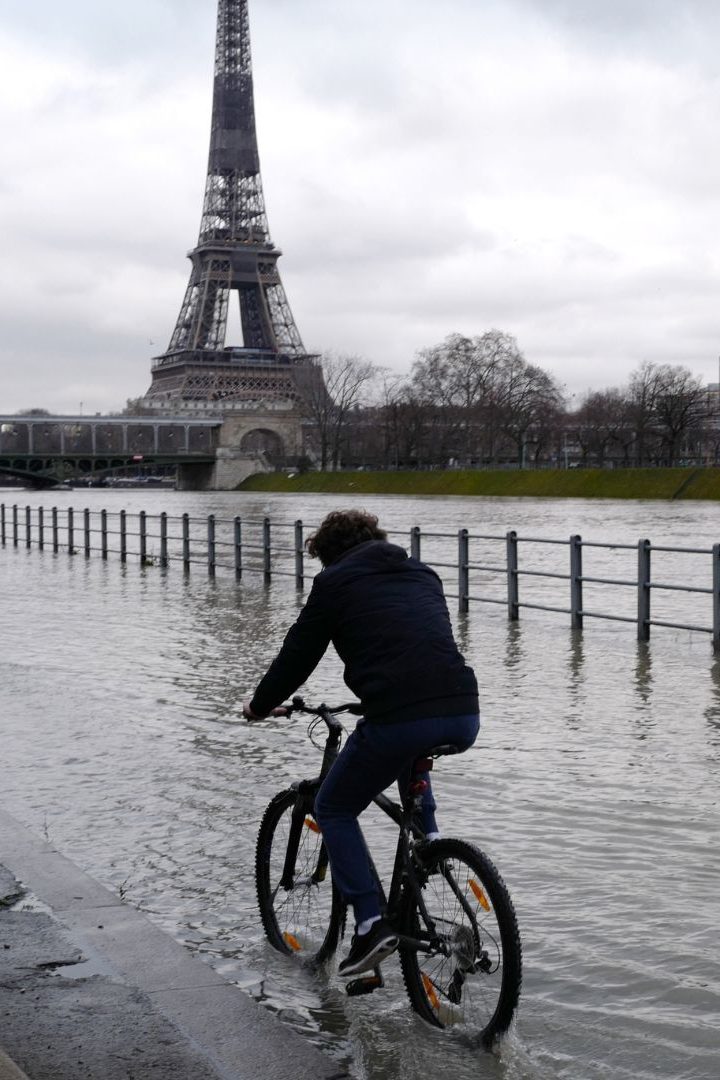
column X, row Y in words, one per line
column 446, row 900
column 404, row 875
column 307, row 790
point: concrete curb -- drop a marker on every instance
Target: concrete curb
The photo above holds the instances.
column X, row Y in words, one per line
column 231, row 1032
column 9, row 1070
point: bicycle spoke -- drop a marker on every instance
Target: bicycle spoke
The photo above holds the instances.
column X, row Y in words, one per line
column 453, row 976
column 299, row 908
column 461, row 980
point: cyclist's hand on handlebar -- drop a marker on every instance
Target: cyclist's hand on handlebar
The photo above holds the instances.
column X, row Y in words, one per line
column 247, row 712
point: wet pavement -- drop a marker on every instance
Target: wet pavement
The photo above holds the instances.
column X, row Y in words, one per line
column 593, row 784
column 91, row 990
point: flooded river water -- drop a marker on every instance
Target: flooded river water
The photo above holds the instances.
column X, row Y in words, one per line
column 594, row 784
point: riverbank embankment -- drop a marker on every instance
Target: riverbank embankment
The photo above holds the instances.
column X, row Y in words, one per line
column 699, row 483
column 90, row 988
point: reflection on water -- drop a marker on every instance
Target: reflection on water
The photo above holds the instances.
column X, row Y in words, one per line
column 514, row 650
column 576, row 674
column 593, row 785
column 643, row 671
column 712, row 712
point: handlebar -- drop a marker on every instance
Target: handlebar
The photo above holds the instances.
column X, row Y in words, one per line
column 298, row 705
column 326, row 713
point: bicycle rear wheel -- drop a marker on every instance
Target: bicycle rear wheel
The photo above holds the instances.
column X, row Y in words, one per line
column 468, row 973
column 301, row 910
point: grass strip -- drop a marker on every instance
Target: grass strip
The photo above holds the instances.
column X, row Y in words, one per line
column 701, row 483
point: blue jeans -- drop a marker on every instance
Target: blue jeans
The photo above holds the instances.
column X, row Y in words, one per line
column 374, row 756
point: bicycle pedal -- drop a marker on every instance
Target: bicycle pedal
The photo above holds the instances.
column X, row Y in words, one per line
column 366, row 985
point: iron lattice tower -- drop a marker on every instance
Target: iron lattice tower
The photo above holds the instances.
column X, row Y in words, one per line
column 234, row 254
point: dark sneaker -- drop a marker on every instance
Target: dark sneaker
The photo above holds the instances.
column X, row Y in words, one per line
column 369, row 950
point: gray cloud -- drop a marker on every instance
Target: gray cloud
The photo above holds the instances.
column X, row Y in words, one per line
column 544, row 166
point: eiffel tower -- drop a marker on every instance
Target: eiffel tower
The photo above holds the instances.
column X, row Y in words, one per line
column 234, row 255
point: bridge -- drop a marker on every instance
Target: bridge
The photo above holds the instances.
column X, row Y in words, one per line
column 217, row 452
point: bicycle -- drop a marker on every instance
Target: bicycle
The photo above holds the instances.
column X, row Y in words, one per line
column 460, row 952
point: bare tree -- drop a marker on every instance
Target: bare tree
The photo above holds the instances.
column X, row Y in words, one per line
column 665, row 401
column 642, row 397
column 392, row 406
column 461, row 377
column 338, row 385
column 602, row 422
column 528, row 403
column 680, row 407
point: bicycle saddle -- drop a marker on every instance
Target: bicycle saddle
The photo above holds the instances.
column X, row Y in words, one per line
column 444, row 750
column 424, row 763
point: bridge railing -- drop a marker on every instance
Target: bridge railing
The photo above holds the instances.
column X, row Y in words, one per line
column 510, row 570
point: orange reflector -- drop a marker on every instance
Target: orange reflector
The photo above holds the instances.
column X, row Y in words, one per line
column 312, row 824
column 480, row 895
column 292, row 941
column 430, row 991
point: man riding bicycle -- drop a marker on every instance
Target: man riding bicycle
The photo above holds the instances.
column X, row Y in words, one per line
column 386, row 615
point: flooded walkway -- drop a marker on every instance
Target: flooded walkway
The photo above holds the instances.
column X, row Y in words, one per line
column 594, row 786
column 90, row 988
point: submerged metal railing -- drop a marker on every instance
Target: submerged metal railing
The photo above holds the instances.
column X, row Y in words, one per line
column 252, row 546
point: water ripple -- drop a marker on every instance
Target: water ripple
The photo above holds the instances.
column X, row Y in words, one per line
column 594, row 786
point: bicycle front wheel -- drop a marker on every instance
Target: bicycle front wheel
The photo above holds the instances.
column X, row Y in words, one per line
column 300, row 908
column 465, row 968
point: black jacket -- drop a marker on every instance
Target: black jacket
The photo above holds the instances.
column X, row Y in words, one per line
column 386, row 615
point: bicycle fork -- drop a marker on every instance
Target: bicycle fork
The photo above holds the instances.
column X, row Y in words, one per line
column 301, row 818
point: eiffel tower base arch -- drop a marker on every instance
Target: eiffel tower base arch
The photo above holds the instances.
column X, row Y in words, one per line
column 256, row 442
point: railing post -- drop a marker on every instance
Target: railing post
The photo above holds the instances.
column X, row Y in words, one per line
column 3, row 536
column 513, row 590
column 55, row 531
column 123, row 536
column 716, row 597
column 103, row 534
column 142, row 519
column 415, row 542
column 643, row 587
column 164, row 540
column 299, row 560
column 28, row 527
column 71, row 530
column 186, row 543
column 463, row 571
column 41, row 528
column 576, row 584
column 15, row 524
column 267, row 555
column 237, row 530
column 86, row 531
column 211, row 547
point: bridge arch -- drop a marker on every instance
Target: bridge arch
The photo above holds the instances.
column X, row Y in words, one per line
column 263, row 440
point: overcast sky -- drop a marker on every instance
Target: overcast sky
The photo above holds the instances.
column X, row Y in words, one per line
column 550, row 168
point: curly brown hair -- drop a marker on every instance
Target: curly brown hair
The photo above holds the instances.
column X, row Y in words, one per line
column 340, row 531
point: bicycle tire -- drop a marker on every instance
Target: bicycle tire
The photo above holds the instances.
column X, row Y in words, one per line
column 306, row 919
column 470, row 978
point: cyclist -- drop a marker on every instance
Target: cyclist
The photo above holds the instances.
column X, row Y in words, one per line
column 386, row 615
